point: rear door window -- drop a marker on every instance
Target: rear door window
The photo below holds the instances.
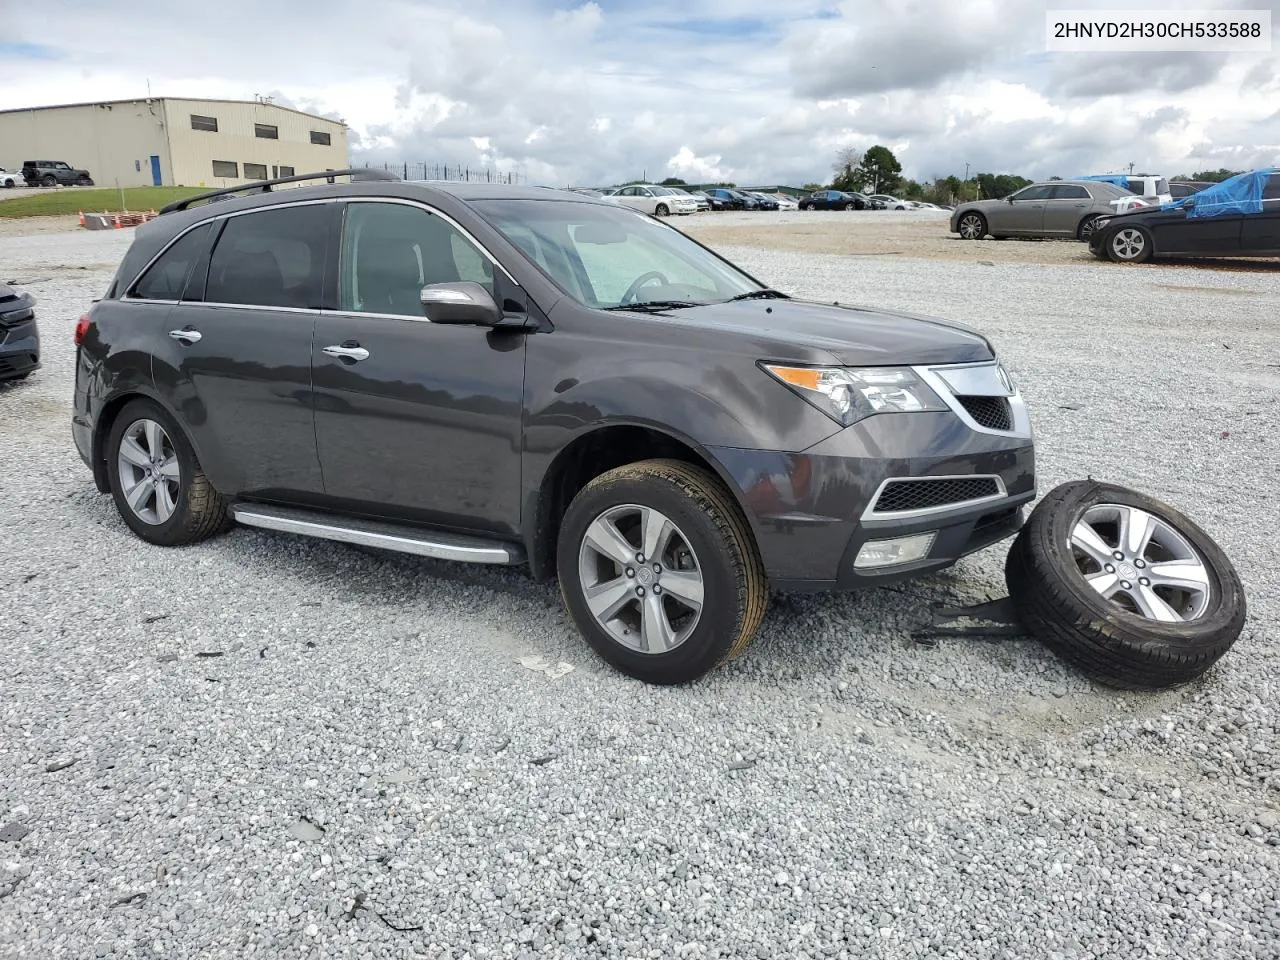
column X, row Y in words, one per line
column 166, row 279
column 270, row 258
column 1271, row 189
column 1069, row 191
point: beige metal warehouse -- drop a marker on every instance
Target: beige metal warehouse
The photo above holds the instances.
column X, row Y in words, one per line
column 173, row 141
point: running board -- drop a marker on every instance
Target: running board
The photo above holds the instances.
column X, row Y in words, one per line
column 374, row 533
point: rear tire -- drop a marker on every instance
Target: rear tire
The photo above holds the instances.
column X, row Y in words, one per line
column 661, row 641
column 1086, row 228
column 188, row 509
column 1159, row 615
column 49, row 180
column 661, row 210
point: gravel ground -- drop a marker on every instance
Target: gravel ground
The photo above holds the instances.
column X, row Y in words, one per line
column 269, row 746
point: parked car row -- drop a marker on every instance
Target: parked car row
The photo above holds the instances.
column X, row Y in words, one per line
column 1239, row 217
column 851, row 200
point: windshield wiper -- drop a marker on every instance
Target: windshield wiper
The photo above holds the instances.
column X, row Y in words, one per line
column 759, row 295
column 654, row 305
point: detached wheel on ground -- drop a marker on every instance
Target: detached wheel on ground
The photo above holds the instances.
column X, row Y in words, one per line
column 156, row 481
column 1130, row 245
column 659, row 571
column 972, row 226
column 1124, row 587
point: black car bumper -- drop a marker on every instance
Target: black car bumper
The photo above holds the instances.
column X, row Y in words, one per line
column 814, row 512
column 19, row 339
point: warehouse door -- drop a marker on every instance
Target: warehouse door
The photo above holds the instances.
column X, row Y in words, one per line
column 155, row 171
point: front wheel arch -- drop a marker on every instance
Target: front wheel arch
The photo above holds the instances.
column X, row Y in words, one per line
column 592, row 453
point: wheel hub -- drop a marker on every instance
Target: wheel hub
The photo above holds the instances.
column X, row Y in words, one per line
column 646, row 576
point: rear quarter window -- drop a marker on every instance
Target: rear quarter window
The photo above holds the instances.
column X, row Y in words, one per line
column 166, row 279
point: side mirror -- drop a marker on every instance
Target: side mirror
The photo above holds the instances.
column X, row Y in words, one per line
column 465, row 303
column 1008, row 199
column 1189, row 203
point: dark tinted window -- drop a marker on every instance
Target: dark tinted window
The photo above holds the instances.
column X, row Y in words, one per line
column 1069, row 191
column 266, row 131
column 273, row 259
column 226, row 168
column 320, row 138
column 1271, row 189
column 1040, row 192
column 167, row 277
column 204, row 123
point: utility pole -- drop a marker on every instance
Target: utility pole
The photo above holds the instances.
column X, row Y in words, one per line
column 966, row 178
column 1131, row 169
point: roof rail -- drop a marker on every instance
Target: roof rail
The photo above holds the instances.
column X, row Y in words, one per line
column 265, row 186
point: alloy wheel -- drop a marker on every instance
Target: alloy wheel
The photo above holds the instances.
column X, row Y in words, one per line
column 640, row 578
column 972, row 227
column 1128, row 244
column 150, row 476
column 1141, row 563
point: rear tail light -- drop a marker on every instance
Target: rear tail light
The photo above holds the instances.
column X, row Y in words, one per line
column 82, row 327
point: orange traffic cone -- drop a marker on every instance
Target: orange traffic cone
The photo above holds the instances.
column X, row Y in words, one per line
column 82, row 218
column 117, row 221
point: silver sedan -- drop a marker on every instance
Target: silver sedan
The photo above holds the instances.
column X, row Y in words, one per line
column 1055, row 208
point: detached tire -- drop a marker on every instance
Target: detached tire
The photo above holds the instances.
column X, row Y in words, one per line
column 1124, row 587
column 659, row 571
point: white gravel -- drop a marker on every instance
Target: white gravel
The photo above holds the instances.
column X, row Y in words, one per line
column 365, row 769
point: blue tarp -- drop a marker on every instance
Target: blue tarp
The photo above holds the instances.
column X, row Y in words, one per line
column 1240, row 194
column 1119, row 179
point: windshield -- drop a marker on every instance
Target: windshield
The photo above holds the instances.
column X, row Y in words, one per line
column 604, row 257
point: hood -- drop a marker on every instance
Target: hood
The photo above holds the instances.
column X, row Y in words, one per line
column 850, row 335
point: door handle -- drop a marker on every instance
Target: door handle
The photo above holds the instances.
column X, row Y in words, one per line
column 186, row 335
column 347, row 351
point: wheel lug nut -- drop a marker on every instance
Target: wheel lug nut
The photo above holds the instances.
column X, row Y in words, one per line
column 1118, row 555
column 639, row 558
column 1144, row 581
column 639, row 591
column 1126, row 584
column 630, row 572
column 1139, row 563
column 656, row 590
column 1110, row 568
column 657, row 568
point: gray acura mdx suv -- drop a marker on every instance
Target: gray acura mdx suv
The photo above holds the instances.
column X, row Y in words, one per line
column 501, row 375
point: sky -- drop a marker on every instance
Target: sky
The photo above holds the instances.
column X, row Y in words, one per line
column 750, row 91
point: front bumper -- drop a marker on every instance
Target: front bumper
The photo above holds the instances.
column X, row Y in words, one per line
column 810, row 511
column 19, row 344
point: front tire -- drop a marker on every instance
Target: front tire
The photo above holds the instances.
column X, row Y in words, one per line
column 659, row 571
column 156, row 481
column 806, row 206
column 49, row 180
column 1129, row 245
column 1124, row 587
column 661, row 210
column 972, row 226
column 1086, row 228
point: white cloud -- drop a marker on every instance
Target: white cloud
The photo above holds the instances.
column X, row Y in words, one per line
column 739, row 90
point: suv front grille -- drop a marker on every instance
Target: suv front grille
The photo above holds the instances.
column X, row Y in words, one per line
column 990, row 412
column 899, row 495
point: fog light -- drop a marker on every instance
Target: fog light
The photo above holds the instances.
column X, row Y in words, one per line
column 892, row 553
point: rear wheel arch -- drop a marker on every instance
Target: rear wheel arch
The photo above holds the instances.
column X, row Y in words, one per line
column 594, row 453
column 107, row 417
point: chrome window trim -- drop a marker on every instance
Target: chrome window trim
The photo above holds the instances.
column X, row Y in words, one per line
column 1021, row 427
column 257, row 307
column 360, row 314
column 870, row 513
column 428, row 208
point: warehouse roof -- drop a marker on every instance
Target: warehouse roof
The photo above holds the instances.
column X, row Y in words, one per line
column 105, row 103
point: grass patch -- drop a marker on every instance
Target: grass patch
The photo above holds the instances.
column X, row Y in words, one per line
column 62, row 201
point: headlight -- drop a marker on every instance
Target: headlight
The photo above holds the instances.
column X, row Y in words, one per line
column 849, row 395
